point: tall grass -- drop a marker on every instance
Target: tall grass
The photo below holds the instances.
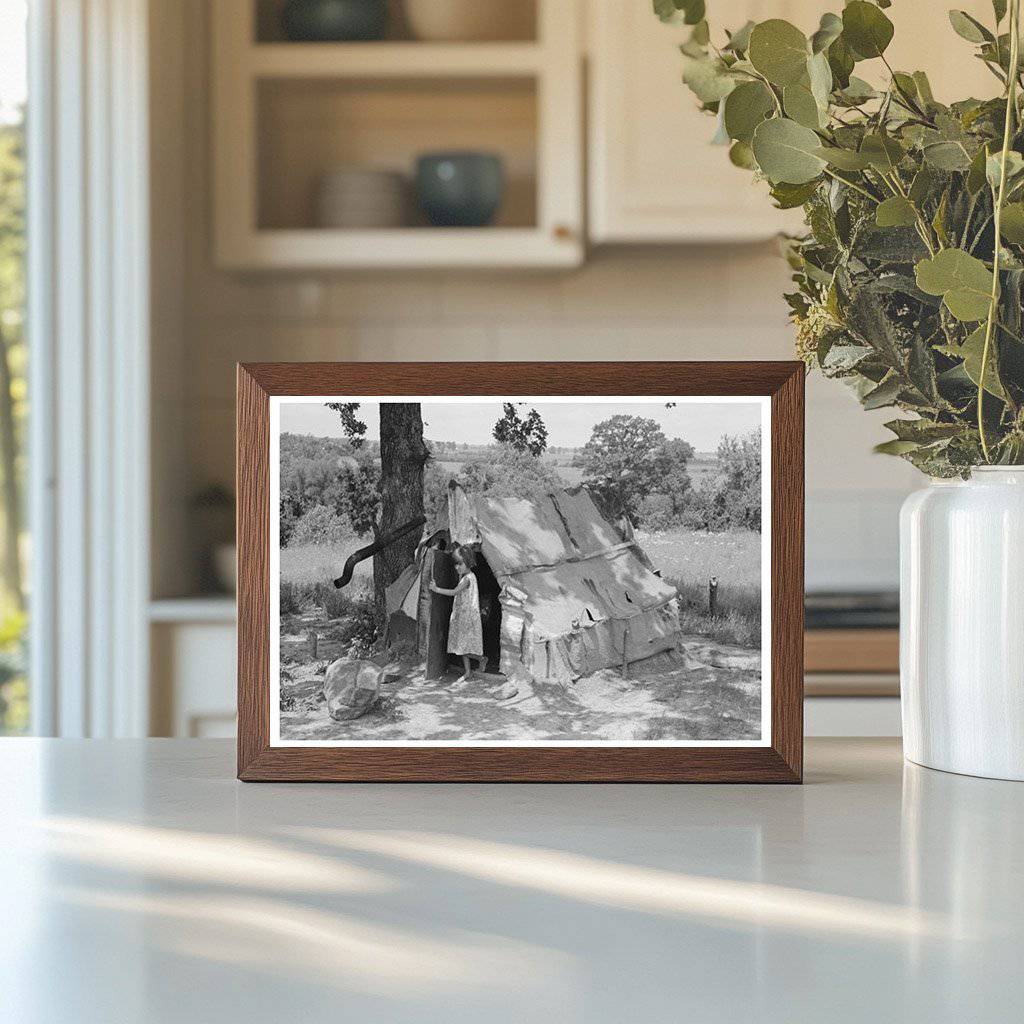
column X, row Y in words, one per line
column 737, row 618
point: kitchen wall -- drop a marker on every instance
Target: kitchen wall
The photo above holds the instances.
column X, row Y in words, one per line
column 719, row 302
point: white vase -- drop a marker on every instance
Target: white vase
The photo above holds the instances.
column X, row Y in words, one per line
column 962, row 624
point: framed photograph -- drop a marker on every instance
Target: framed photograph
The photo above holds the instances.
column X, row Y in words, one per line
column 578, row 572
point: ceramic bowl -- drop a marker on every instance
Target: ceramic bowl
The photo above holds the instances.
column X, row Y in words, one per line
column 459, row 189
column 470, row 20
column 332, row 21
column 359, row 197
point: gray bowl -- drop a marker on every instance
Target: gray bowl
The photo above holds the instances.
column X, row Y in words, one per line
column 460, row 189
column 332, row 21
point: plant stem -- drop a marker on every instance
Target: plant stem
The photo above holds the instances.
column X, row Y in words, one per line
column 853, row 185
column 1011, row 109
column 910, row 102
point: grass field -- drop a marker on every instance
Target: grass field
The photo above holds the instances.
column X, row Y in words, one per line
column 309, row 564
column 688, row 559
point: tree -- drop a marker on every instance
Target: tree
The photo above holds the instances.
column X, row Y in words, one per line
column 739, row 485
column 525, row 435
column 624, row 461
column 732, row 499
column 354, row 428
column 510, row 474
column 12, row 355
column 403, row 454
column 676, row 484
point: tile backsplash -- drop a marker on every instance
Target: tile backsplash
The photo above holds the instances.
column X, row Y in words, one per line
column 709, row 303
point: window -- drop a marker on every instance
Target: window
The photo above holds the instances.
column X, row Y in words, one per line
column 14, row 691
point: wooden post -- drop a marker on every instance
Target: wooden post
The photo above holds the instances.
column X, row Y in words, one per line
column 313, row 642
column 444, row 575
column 625, row 650
column 713, row 596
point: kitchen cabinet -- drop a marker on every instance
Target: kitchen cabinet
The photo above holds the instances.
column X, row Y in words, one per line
column 653, row 175
column 287, row 114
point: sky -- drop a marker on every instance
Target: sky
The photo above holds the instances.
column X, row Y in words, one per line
column 569, row 424
column 12, row 57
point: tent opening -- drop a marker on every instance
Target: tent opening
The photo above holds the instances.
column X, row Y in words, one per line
column 490, row 613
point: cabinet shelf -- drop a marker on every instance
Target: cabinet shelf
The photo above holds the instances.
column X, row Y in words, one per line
column 287, row 114
column 320, row 248
column 393, row 60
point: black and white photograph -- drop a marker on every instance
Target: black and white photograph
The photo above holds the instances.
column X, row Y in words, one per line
column 535, row 570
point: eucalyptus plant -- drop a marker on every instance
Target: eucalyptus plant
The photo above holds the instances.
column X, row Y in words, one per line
column 910, row 278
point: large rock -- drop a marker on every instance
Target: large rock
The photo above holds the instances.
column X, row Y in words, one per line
column 350, row 687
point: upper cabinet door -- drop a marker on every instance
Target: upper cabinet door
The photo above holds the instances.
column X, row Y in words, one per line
column 654, row 175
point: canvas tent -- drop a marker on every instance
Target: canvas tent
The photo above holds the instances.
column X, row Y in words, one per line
column 573, row 594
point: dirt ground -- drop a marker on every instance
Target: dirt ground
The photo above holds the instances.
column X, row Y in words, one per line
column 713, row 693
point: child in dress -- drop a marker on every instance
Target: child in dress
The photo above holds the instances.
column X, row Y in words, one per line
column 465, row 632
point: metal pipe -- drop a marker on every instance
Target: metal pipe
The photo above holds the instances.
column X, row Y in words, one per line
column 371, row 549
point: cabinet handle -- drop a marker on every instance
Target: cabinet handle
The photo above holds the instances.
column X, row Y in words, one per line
column 562, row 232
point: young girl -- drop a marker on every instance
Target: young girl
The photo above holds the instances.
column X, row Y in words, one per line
column 465, row 633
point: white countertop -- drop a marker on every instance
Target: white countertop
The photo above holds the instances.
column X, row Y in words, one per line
column 140, row 882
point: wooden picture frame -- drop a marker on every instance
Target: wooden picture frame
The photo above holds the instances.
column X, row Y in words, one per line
column 779, row 759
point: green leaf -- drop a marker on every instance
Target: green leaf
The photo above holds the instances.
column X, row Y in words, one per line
column 993, row 167
column 739, row 41
column 883, row 152
column 866, row 29
column 741, row 155
column 895, row 212
column 971, row 351
column 701, row 34
column 779, row 51
column 819, row 74
column 922, row 185
column 721, row 136
column 999, row 9
column 924, row 88
column 885, row 394
column 665, row 10
column 923, row 431
column 976, row 173
column 963, row 281
column 1012, row 223
column 829, row 30
column 788, row 197
column 841, row 63
column 690, row 12
column 844, row 159
column 905, row 84
column 890, row 245
column 801, row 106
column 895, row 447
column 745, row 108
column 947, row 156
column 787, row 151
column 707, row 78
column 939, row 220
column 969, row 28
column 857, row 91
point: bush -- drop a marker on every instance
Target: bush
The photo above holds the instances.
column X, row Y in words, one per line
column 657, row 513
column 333, row 601
column 291, row 598
column 359, row 627
column 511, row 474
column 320, row 525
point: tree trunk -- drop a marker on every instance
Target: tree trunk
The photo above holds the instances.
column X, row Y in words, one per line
column 403, row 455
column 9, row 484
